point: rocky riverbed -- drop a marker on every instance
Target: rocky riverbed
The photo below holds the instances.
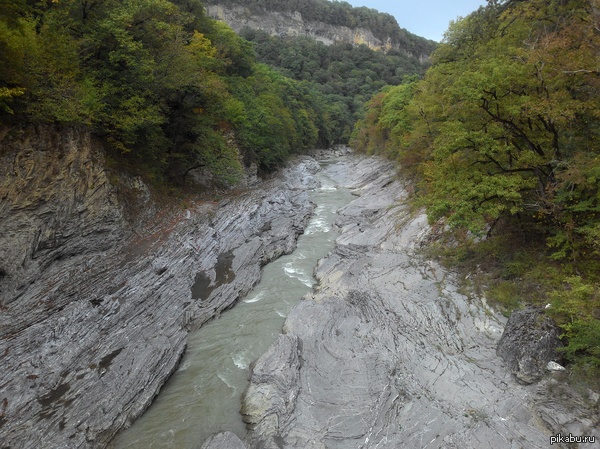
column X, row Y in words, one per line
column 388, row 353
column 94, row 311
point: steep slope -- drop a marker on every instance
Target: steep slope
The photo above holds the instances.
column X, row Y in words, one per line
column 327, row 22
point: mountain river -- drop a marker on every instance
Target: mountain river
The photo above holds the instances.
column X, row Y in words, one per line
column 203, row 396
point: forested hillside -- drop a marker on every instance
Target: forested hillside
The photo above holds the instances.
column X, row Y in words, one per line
column 165, row 87
column 502, row 136
column 347, row 75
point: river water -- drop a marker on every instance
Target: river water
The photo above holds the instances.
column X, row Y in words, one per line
column 204, row 395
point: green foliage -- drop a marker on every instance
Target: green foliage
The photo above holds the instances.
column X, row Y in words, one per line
column 346, row 75
column 7, row 94
column 386, row 123
column 584, row 343
column 500, row 126
column 506, row 295
column 576, row 307
column 504, row 128
column 280, row 116
column 167, row 89
column 574, row 299
column 39, row 67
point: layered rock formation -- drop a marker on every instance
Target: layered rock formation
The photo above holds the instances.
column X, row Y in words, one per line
column 95, row 309
column 387, row 353
column 292, row 24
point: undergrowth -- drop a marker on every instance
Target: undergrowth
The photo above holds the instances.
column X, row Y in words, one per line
column 513, row 269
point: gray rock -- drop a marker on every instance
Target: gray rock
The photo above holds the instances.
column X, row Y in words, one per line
column 529, row 343
column 389, row 353
column 301, row 178
column 563, row 409
column 56, row 203
column 292, row 23
column 553, row 366
column 224, row 440
column 272, row 394
column 99, row 288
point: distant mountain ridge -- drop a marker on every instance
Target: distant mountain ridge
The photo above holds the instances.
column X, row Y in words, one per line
column 322, row 20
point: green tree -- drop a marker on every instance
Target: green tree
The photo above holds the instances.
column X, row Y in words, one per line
column 504, row 128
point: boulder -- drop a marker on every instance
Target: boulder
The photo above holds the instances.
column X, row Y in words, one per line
column 529, row 343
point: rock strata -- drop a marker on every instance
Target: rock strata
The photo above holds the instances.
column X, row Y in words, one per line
column 95, row 310
column 291, row 24
column 225, row 440
column 387, row 353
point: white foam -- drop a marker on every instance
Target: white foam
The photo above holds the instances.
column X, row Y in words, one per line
column 240, row 361
column 291, row 271
column 307, row 281
column 299, row 274
column 326, row 187
column 256, row 298
column 317, row 224
column 226, row 381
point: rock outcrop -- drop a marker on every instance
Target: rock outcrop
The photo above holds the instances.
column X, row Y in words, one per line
column 292, row 24
column 56, row 202
column 95, row 309
column 225, row 440
column 529, row 344
column 387, row 353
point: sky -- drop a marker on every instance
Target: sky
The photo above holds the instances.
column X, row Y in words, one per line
column 426, row 18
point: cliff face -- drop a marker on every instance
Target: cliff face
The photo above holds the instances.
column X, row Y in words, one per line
column 56, row 202
column 292, row 24
column 96, row 301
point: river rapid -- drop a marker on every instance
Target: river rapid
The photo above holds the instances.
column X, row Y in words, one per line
column 203, row 396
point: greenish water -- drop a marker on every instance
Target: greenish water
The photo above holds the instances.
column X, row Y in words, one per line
column 203, row 395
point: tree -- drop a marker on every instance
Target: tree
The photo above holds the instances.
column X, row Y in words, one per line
column 505, row 128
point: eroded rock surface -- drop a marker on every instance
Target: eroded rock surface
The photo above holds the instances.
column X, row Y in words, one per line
column 529, row 343
column 225, row 440
column 387, row 353
column 292, row 24
column 94, row 312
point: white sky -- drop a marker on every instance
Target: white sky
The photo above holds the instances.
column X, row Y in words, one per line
column 427, row 18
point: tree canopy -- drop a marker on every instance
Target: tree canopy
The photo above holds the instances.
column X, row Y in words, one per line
column 156, row 79
column 346, row 75
column 505, row 126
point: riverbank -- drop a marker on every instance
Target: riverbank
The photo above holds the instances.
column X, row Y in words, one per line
column 204, row 394
column 388, row 353
column 96, row 318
